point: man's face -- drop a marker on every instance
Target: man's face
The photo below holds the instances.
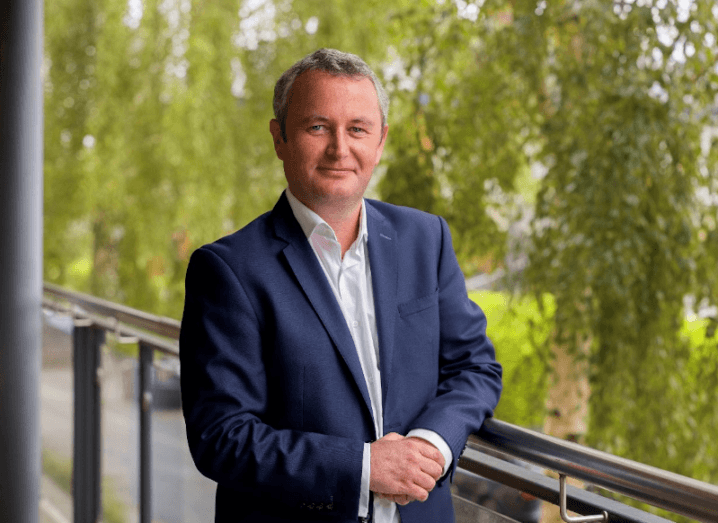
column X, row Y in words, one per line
column 334, row 140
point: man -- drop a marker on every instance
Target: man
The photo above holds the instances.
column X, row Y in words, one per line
column 332, row 363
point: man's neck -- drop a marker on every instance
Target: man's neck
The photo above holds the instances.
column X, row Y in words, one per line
column 345, row 220
column 345, row 224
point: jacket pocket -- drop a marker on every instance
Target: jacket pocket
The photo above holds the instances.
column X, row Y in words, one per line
column 419, row 304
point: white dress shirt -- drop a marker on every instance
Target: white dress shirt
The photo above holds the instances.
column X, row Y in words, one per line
column 350, row 280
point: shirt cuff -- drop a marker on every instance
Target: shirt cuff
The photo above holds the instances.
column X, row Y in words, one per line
column 436, row 440
column 365, row 477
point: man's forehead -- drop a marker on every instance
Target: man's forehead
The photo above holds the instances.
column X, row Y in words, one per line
column 314, row 74
column 305, row 88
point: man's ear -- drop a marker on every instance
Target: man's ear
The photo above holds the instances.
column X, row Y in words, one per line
column 380, row 149
column 276, row 131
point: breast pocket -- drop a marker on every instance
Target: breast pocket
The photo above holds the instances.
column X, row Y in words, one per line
column 419, row 325
column 416, row 354
column 419, row 304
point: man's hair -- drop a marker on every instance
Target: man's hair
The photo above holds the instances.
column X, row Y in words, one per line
column 330, row 61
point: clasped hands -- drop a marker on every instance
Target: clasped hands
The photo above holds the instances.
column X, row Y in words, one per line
column 404, row 469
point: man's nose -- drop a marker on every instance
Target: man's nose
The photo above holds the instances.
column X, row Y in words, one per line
column 338, row 146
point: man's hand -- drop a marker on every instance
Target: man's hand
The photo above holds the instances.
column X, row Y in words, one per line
column 404, row 469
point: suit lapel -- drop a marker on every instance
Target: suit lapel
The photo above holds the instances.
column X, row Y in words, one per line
column 383, row 259
column 306, row 268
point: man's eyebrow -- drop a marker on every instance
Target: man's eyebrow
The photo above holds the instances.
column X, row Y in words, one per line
column 364, row 121
column 313, row 118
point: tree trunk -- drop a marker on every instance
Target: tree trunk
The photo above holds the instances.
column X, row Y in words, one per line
column 567, row 404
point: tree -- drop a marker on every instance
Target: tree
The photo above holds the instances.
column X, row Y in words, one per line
column 157, row 142
column 145, row 149
column 614, row 103
column 157, row 131
column 69, row 73
column 463, row 117
column 620, row 233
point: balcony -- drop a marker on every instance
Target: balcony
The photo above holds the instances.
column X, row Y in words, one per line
column 106, row 410
column 120, row 366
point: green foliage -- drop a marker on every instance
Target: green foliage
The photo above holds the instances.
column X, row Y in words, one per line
column 520, row 329
column 617, row 231
column 156, row 141
column 146, row 147
column 156, row 131
column 519, row 332
column 460, row 123
column 614, row 103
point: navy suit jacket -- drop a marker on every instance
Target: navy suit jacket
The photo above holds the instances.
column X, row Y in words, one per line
column 276, row 405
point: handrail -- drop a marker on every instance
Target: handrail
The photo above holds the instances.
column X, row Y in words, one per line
column 541, row 486
column 160, row 325
column 91, row 318
column 166, row 345
column 657, row 487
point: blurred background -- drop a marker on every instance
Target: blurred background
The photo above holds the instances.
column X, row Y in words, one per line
column 571, row 146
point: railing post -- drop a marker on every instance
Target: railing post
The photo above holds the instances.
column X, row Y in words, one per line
column 145, row 399
column 86, row 470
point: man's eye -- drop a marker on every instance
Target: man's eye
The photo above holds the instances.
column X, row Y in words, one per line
column 357, row 130
column 317, row 127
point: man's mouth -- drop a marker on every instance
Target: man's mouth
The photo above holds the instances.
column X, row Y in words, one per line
column 340, row 170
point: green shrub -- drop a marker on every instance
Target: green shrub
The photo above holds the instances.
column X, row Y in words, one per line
column 519, row 331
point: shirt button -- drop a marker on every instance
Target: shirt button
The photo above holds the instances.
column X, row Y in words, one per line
column 355, row 324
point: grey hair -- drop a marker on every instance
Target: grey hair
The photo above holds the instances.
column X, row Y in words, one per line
column 330, row 61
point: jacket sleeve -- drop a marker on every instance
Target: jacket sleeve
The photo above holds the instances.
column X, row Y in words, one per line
column 469, row 375
column 225, row 400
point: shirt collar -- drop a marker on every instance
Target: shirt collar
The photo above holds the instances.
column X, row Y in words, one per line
column 311, row 222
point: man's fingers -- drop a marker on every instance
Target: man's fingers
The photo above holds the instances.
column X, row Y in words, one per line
column 398, row 499
column 414, row 492
column 424, row 481
column 432, row 468
column 434, row 458
column 401, row 467
column 429, row 450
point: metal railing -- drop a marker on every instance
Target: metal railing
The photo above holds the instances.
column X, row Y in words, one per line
column 675, row 493
column 93, row 317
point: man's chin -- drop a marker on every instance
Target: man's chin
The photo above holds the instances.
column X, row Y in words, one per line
column 337, row 199
column 340, row 189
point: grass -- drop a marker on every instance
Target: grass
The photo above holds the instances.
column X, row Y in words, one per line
column 59, row 469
